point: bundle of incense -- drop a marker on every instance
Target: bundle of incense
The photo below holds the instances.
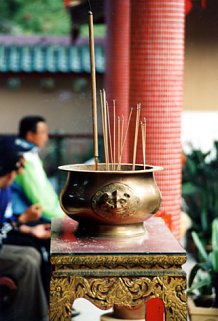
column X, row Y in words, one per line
column 109, row 147
column 113, row 153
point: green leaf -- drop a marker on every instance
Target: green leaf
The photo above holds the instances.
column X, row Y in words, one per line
column 215, row 234
column 193, row 273
column 200, row 284
column 213, row 256
column 190, row 188
column 204, row 219
column 200, row 245
column 206, row 266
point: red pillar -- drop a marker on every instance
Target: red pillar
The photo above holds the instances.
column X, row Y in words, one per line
column 156, row 81
column 117, row 14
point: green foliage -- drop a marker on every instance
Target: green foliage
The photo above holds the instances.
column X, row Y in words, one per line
column 34, row 17
column 204, row 275
column 200, row 193
column 200, row 190
column 47, row 17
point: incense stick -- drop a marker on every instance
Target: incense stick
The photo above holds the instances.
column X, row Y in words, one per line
column 125, row 136
column 114, row 118
column 122, row 132
column 136, row 135
column 120, row 143
column 93, row 78
column 143, row 142
column 103, row 123
column 109, row 133
column 106, row 128
column 118, row 139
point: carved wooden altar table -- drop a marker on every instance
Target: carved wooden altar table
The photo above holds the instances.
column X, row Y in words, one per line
column 109, row 271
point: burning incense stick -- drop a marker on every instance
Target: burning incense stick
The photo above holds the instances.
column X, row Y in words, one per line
column 94, row 104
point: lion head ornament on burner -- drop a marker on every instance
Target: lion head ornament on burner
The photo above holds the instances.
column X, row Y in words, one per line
column 115, row 200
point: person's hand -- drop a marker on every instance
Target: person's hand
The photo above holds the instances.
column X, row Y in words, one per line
column 33, row 213
column 41, row 231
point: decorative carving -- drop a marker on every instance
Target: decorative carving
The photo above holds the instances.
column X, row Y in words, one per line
column 174, row 297
column 115, row 199
column 124, row 262
column 104, row 292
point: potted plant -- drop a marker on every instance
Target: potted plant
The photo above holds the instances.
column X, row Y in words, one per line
column 203, row 280
column 200, row 191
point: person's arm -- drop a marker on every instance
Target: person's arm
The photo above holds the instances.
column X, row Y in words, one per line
column 40, row 231
column 33, row 213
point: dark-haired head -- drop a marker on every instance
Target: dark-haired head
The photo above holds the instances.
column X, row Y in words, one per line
column 11, row 152
column 29, row 123
column 34, row 129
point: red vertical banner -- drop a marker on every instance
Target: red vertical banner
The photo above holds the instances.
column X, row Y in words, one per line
column 156, row 82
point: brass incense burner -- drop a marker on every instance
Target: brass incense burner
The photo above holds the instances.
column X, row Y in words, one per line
column 108, row 202
column 111, row 198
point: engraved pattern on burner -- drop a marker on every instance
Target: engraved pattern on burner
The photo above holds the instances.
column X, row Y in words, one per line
column 116, row 199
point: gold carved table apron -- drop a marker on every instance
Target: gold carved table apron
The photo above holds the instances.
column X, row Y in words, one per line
column 109, row 271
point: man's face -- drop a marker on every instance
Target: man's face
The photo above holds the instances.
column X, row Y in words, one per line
column 40, row 137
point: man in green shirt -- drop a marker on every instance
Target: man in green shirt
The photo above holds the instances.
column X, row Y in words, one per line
column 33, row 185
